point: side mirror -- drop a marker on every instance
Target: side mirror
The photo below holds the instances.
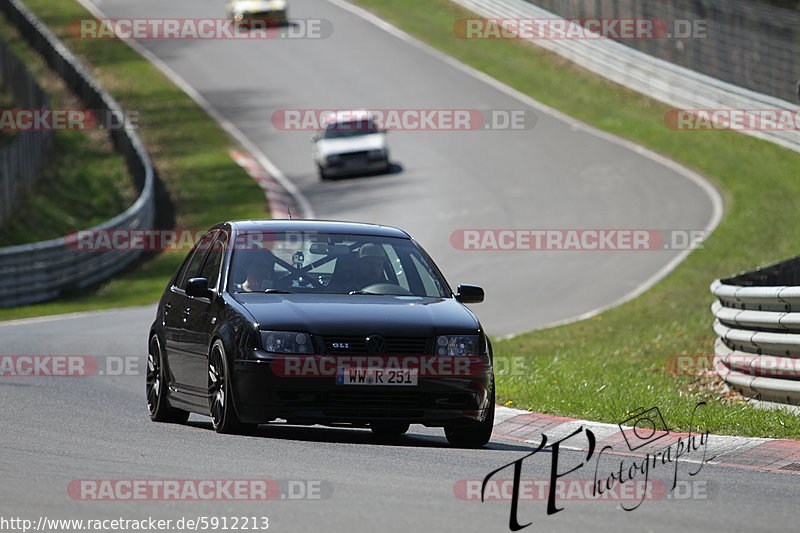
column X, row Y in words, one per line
column 316, row 138
column 469, row 294
column 198, row 288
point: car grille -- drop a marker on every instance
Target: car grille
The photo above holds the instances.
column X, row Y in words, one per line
column 394, row 346
column 354, row 155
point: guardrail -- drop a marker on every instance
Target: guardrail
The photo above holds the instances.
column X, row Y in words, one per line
column 664, row 81
column 748, row 43
column 23, row 159
column 757, row 321
column 44, row 270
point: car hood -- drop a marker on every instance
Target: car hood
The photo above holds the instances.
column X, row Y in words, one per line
column 343, row 314
column 359, row 143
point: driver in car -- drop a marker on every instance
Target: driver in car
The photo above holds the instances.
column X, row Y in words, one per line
column 258, row 269
column 372, row 261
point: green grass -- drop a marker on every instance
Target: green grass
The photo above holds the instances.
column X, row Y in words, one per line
column 84, row 182
column 189, row 149
column 604, row 367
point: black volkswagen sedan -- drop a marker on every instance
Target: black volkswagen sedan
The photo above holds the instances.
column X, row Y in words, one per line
column 319, row 322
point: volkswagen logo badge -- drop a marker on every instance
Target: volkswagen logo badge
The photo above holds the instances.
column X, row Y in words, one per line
column 376, row 344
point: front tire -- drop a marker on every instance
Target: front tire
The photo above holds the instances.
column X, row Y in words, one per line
column 157, row 402
column 220, row 395
column 473, row 435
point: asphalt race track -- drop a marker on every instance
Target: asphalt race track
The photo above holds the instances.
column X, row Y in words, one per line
column 556, row 175
column 77, row 428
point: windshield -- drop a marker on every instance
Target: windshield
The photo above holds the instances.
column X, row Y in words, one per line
column 322, row 263
column 351, row 128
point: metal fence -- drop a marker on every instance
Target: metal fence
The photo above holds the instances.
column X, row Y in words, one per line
column 44, row 270
column 757, row 321
column 29, row 151
column 748, row 44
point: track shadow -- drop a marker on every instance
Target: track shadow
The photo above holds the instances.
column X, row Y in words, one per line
column 355, row 436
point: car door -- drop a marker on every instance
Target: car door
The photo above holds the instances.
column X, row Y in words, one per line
column 171, row 320
column 180, row 309
column 202, row 318
column 172, row 316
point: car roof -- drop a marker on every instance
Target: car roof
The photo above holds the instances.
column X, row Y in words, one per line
column 324, row 226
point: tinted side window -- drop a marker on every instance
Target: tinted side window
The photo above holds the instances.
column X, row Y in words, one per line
column 192, row 269
column 210, row 269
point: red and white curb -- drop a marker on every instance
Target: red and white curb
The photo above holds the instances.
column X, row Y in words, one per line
column 281, row 203
column 774, row 455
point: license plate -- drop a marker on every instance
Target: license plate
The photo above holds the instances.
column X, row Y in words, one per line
column 377, row 376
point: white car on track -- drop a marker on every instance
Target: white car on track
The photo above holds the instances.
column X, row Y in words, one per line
column 244, row 12
column 351, row 143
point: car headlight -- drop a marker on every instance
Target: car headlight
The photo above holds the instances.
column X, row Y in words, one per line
column 293, row 342
column 457, row 345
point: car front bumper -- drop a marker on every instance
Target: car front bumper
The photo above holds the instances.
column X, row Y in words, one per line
column 355, row 165
column 261, row 396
